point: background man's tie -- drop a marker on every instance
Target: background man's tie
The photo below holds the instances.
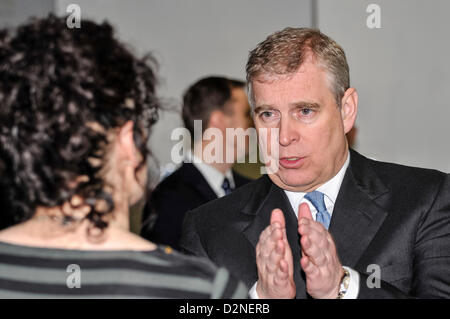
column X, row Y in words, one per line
column 317, row 199
column 226, row 186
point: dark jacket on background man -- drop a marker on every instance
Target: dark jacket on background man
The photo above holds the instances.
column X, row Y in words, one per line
column 183, row 190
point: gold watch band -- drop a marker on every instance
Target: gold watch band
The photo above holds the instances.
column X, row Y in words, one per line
column 343, row 286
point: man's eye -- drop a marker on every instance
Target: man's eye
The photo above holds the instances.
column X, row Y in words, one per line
column 267, row 115
column 306, row 112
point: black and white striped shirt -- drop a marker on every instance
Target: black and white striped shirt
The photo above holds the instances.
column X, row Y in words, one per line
column 31, row 272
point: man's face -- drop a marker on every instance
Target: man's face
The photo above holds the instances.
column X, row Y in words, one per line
column 312, row 143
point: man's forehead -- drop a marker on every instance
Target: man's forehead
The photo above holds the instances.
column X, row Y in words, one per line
column 238, row 92
column 304, row 86
column 309, row 65
column 271, row 79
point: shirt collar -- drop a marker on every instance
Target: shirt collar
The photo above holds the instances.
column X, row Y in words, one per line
column 213, row 176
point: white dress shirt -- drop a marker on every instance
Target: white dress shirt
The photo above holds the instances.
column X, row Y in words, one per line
column 213, row 176
column 330, row 190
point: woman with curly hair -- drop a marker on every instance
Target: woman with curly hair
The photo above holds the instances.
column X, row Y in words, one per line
column 76, row 108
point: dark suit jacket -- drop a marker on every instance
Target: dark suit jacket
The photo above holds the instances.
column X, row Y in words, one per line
column 183, row 190
column 394, row 216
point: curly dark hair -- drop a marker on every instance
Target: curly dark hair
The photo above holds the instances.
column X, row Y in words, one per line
column 53, row 82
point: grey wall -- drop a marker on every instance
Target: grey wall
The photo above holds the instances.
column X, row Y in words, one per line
column 15, row 12
column 192, row 39
column 402, row 73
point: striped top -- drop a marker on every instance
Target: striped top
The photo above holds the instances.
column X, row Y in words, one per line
column 31, row 272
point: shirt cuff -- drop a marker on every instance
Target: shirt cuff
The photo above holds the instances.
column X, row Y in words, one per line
column 353, row 286
column 252, row 292
column 352, row 290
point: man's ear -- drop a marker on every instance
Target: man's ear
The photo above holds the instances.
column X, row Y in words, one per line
column 349, row 108
column 126, row 142
column 217, row 119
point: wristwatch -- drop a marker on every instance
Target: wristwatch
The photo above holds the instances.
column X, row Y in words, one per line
column 343, row 287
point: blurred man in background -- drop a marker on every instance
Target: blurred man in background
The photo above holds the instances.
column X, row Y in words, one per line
column 219, row 103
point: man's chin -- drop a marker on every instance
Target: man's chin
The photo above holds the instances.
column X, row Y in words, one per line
column 291, row 183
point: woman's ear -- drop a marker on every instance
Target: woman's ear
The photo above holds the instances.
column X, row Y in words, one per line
column 126, row 144
column 349, row 109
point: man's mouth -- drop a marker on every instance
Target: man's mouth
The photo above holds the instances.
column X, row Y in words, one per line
column 291, row 162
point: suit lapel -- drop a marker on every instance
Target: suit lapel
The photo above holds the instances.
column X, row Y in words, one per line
column 356, row 216
column 197, row 180
column 275, row 198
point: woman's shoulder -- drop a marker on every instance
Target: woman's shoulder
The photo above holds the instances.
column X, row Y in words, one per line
column 161, row 272
column 223, row 284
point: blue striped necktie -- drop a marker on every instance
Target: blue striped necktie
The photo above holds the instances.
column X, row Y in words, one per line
column 317, row 199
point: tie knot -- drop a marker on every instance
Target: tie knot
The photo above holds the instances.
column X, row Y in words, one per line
column 317, row 199
column 226, row 186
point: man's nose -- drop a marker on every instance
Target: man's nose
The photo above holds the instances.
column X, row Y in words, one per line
column 288, row 132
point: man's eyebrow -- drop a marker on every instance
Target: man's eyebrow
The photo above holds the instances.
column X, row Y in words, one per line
column 302, row 104
column 261, row 108
column 308, row 105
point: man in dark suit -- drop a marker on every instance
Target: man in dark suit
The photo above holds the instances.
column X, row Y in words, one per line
column 327, row 222
column 183, row 190
column 219, row 103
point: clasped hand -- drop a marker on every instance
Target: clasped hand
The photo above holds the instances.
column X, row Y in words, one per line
column 319, row 261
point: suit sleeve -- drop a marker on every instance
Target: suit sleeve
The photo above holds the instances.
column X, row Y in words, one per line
column 148, row 220
column 190, row 242
column 163, row 216
column 431, row 267
column 151, row 212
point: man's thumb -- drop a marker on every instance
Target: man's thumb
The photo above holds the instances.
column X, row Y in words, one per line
column 304, row 212
column 277, row 217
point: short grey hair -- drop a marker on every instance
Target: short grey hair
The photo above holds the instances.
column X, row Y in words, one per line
column 283, row 52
